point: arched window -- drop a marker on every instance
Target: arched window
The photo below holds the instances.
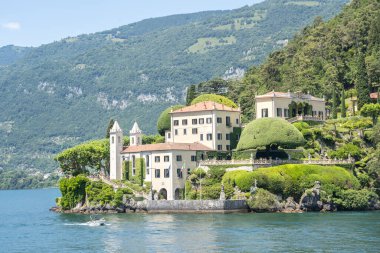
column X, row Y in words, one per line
column 113, row 140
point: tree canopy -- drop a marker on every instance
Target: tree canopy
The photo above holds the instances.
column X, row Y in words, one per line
column 215, row 98
column 163, row 122
column 270, row 132
column 371, row 110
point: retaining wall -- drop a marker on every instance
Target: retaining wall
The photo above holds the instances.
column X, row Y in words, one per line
column 197, row 206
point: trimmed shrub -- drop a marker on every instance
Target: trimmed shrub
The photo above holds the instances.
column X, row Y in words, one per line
column 99, row 193
column 214, row 98
column 163, row 122
column 270, row 132
column 347, row 150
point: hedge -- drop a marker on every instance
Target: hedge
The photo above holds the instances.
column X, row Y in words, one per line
column 214, row 98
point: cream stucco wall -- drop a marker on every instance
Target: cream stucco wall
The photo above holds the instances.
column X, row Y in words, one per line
column 178, row 135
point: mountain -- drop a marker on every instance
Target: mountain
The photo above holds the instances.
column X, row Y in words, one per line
column 10, row 54
column 65, row 92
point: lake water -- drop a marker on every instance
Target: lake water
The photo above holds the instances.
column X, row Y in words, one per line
column 26, row 225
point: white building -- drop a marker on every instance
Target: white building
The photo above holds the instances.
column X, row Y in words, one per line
column 287, row 105
column 195, row 130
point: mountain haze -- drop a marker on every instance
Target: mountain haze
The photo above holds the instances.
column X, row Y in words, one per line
column 65, row 92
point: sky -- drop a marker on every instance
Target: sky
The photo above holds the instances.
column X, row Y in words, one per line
column 36, row 22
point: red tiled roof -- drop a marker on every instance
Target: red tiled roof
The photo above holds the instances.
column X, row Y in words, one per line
column 166, row 146
column 206, row 106
column 373, row 95
column 289, row 95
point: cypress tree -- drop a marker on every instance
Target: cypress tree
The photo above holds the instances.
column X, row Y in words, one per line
column 334, row 107
column 362, row 86
column 110, row 125
column 343, row 105
column 190, row 94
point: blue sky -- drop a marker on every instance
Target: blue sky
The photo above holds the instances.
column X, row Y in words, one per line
column 36, row 22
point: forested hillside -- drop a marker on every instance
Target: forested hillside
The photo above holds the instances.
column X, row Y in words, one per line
column 65, row 92
column 323, row 59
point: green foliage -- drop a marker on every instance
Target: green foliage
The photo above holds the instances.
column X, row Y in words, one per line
column 334, row 109
column 163, row 122
column 73, row 191
column 270, row 132
column 362, row 85
column 371, row 110
column 190, row 95
column 118, row 196
column 93, row 155
column 263, row 201
column 99, row 193
column 347, row 150
column 355, row 199
column 293, row 179
column 343, row 105
column 215, row 98
column 110, row 125
column 21, row 179
column 137, row 174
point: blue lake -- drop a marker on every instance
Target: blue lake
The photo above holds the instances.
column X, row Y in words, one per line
column 27, row 225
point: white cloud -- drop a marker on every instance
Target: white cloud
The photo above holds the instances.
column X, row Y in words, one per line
column 11, row 26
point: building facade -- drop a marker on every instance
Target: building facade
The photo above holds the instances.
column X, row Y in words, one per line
column 195, row 131
column 287, row 105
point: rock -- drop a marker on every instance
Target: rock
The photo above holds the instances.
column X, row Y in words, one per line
column 290, row 205
column 311, row 199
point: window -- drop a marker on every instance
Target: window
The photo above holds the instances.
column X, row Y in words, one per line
column 133, row 161
column 228, row 121
column 169, row 135
column 147, row 162
column 228, row 137
column 179, row 173
column 113, row 140
column 179, row 158
column 157, row 159
column 166, row 158
column 184, row 122
column 166, row 173
column 237, row 121
column 320, row 114
column 228, row 147
column 201, row 121
column 176, row 122
column 220, row 147
column 193, row 158
column 176, row 132
column 279, row 112
column 264, row 113
column 219, row 136
column 188, row 171
column 218, row 120
column 201, row 137
column 209, row 120
column 157, row 173
column 132, row 140
column 194, row 131
column 147, row 171
column 286, row 113
column 209, row 137
column 184, row 131
column 194, row 121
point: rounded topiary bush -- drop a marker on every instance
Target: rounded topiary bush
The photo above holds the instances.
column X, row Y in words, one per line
column 214, row 98
column 163, row 122
column 270, row 132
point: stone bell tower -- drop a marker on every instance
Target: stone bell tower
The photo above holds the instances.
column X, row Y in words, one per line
column 135, row 135
column 116, row 146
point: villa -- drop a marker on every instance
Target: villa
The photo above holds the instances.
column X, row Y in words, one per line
column 196, row 132
column 288, row 105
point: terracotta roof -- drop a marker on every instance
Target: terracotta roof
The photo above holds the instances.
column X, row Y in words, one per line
column 166, row 146
column 289, row 95
column 206, row 106
column 373, row 95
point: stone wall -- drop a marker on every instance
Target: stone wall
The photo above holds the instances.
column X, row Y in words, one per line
column 196, row 206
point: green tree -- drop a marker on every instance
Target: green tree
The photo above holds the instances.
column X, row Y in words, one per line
column 371, row 110
column 163, row 122
column 110, row 125
column 343, row 104
column 270, row 133
column 334, row 112
column 362, row 82
column 191, row 94
column 214, row 98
